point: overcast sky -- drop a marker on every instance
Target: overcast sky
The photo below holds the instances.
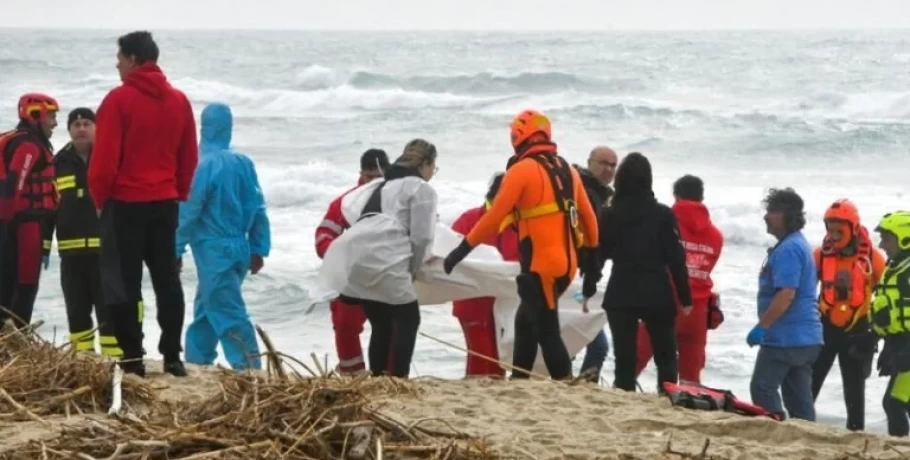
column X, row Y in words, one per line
column 462, row 14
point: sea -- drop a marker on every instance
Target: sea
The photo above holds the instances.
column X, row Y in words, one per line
column 824, row 112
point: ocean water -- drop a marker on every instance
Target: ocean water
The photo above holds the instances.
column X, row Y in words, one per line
column 827, row 113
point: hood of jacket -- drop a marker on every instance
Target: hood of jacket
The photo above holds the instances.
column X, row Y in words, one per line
column 632, row 208
column 692, row 216
column 149, row 80
column 217, row 126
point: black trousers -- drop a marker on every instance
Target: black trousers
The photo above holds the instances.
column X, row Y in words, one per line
column 661, row 326
column 80, row 278
column 536, row 324
column 855, row 360
column 394, row 334
column 133, row 233
column 20, row 269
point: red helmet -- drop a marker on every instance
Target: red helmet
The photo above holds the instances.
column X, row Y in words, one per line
column 36, row 102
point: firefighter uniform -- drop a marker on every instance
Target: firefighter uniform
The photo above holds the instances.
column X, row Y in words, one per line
column 78, row 244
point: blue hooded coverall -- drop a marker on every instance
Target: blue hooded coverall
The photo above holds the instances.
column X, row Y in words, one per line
column 224, row 221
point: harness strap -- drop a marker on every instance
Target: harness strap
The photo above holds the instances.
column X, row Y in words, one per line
column 374, row 203
column 563, row 192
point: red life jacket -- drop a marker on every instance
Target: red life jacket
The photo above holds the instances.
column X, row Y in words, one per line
column 38, row 197
column 846, row 302
column 704, row 398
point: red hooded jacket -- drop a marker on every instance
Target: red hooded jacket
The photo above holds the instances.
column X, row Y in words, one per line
column 145, row 141
column 481, row 308
column 703, row 243
column 333, row 223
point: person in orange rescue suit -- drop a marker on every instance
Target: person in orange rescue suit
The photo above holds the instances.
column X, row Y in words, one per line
column 28, row 202
column 544, row 197
column 476, row 315
column 848, row 268
column 348, row 320
column 79, row 241
column 703, row 244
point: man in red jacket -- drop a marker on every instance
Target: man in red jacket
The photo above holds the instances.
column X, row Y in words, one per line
column 144, row 158
column 348, row 320
column 703, row 243
column 28, row 201
column 476, row 315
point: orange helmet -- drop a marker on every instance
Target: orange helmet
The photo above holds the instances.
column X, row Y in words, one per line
column 527, row 124
column 36, row 102
column 843, row 210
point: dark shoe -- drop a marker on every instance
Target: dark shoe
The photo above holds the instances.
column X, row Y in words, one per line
column 175, row 368
column 133, row 367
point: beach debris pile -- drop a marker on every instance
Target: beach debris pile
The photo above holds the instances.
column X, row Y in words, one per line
column 39, row 378
column 276, row 414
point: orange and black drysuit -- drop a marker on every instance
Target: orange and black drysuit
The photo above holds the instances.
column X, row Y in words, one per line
column 28, row 201
column 848, row 269
column 543, row 195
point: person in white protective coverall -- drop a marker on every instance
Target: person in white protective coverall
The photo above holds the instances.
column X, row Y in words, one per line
column 225, row 223
column 391, row 239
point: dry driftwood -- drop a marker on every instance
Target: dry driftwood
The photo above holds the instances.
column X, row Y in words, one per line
column 261, row 416
column 38, row 378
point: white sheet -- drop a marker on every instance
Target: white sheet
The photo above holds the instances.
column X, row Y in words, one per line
column 483, row 273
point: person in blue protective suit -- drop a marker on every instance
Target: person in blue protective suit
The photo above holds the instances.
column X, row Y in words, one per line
column 224, row 221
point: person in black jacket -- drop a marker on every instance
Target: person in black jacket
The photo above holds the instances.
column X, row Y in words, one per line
column 78, row 240
column 641, row 237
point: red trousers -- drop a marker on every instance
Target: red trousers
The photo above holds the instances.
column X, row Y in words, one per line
column 348, row 321
column 691, row 339
column 20, row 270
column 480, row 337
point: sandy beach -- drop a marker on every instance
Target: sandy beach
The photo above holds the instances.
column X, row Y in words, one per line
column 548, row 420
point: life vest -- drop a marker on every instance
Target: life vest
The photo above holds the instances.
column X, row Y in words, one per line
column 846, row 292
column 38, row 197
column 561, row 180
column 890, row 311
column 704, row 398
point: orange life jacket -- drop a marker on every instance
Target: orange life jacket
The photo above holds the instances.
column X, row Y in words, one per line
column 847, row 301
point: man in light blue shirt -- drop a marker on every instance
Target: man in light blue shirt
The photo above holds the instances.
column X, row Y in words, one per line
column 225, row 223
column 789, row 330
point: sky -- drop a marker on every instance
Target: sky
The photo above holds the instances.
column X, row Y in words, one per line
column 457, row 15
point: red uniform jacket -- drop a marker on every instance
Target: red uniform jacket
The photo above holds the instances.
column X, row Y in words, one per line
column 703, row 243
column 481, row 308
column 145, row 143
column 333, row 223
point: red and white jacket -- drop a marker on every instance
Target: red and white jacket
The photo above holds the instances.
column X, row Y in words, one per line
column 333, row 223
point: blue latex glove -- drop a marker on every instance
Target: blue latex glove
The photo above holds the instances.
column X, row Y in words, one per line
column 756, row 335
column 46, row 260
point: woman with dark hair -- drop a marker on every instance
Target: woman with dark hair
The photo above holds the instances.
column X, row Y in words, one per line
column 789, row 330
column 649, row 277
